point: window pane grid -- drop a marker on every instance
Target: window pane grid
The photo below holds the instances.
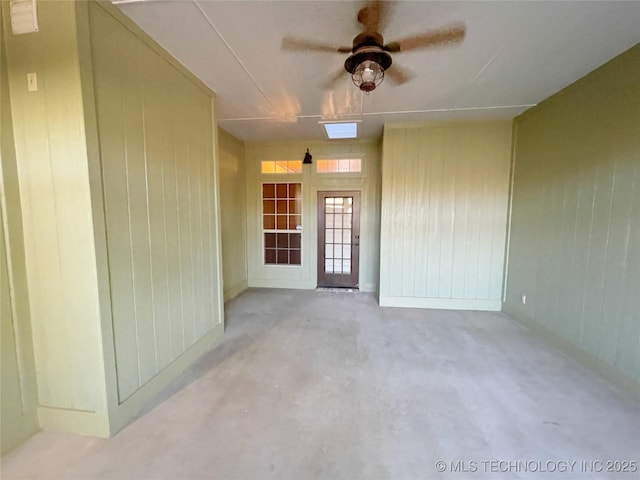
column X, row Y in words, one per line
column 341, row 165
column 281, row 166
column 338, row 221
column 282, row 223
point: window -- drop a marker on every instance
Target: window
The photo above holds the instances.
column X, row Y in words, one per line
column 282, row 223
column 281, row 166
column 342, row 165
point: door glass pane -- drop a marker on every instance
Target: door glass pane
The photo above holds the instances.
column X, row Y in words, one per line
column 337, row 220
column 337, row 266
column 328, row 235
column 328, row 220
column 346, row 236
column 328, row 266
column 346, row 266
column 328, row 251
column 347, row 220
column 346, row 251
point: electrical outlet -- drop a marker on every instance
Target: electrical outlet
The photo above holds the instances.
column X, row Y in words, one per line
column 32, row 82
column 523, row 297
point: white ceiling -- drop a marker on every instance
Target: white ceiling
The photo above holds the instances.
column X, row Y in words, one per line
column 515, row 55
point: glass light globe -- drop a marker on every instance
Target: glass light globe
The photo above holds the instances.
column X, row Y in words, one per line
column 367, row 76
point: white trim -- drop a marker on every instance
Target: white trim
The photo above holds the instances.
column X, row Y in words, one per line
column 492, row 305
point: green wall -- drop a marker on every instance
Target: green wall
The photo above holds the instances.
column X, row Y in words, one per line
column 116, row 171
column 156, row 148
column 60, row 256
column 18, row 400
column 445, row 193
column 231, row 159
column 574, row 247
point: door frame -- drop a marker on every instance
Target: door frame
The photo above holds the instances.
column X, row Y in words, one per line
column 353, row 280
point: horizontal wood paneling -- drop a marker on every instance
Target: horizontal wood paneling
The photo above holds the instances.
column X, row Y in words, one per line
column 575, row 222
column 156, row 141
column 444, row 211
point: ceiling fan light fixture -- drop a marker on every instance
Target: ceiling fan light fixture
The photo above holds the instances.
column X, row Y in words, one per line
column 367, row 76
column 367, row 66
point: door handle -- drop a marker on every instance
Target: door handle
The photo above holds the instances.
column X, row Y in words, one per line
column 356, row 243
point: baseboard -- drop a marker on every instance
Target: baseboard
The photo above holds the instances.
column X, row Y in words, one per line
column 369, row 288
column 587, row 359
column 16, row 431
column 276, row 283
column 123, row 413
column 235, row 290
column 441, row 303
column 80, row 422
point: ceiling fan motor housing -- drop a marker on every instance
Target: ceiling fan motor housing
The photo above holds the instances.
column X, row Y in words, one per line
column 374, row 54
column 367, row 39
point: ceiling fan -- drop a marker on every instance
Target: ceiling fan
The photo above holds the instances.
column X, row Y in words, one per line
column 370, row 58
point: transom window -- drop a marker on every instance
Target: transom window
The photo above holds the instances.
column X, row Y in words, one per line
column 339, row 165
column 281, row 166
column 282, row 223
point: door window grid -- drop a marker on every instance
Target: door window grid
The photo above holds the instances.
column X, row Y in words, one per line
column 338, row 224
column 282, row 223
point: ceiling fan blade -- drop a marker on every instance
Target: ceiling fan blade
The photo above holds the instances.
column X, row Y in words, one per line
column 447, row 35
column 374, row 15
column 398, row 75
column 333, row 79
column 302, row 45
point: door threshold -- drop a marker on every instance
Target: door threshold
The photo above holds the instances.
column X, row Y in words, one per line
column 338, row 289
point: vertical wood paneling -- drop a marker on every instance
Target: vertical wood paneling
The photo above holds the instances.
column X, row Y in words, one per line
column 156, row 133
column 108, row 74
column 51, row 158
column 156, row 120
column 233, row 213
column 11, row 395
column 18, row 381
column 18, row 399
column 444, row 211
column 574, row 225
column 172, row 225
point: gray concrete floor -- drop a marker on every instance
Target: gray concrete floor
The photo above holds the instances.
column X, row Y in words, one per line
column 328, row 385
